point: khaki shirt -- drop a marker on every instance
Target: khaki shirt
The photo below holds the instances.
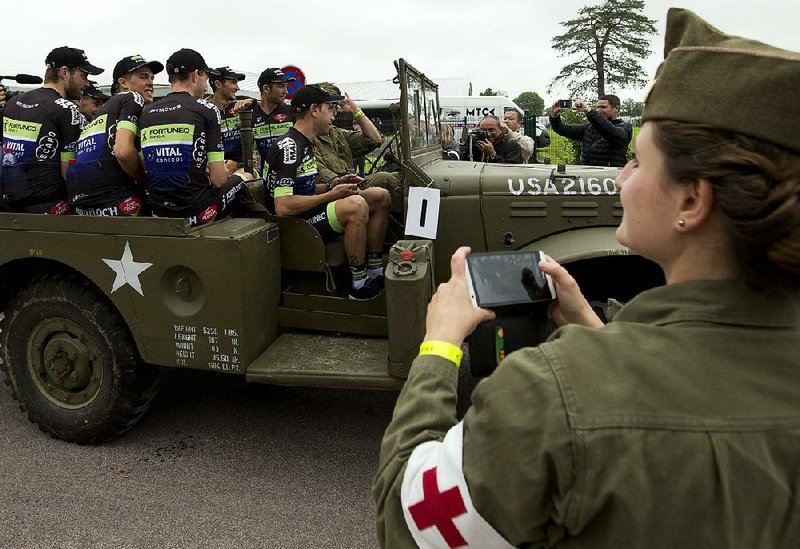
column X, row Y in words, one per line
column 676, row 425
column 335, row 152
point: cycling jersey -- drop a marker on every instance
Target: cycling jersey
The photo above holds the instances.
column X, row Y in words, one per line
column 231, row 134
column 293, row 171
column 40, row 129
column 267, row 128
column 96, row 178
column 180, row 135
column 292, row 166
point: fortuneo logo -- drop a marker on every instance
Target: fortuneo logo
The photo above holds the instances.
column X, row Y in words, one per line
column 181, row 133
column 22, row 126
column 158, row 132
column 17, row 126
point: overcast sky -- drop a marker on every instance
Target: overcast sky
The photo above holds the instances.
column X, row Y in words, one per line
column 499, row 44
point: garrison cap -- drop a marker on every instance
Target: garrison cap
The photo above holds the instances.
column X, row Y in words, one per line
column 330, row 88
column 707, row 75
column 71, row 58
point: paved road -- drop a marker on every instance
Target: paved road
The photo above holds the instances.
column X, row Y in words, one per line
column 214, row 463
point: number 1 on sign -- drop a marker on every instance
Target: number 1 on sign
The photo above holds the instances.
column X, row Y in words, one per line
column 422, row 218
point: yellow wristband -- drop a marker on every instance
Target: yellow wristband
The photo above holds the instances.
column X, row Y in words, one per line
column 442, row 349
column 357, row 114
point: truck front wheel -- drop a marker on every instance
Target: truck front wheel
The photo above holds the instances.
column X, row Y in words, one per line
column 71, row 361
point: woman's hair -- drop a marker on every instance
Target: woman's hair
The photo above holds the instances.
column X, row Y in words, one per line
column 757, row 188
column 447, row 134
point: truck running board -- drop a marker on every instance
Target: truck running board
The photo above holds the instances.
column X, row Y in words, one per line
column 325, row 360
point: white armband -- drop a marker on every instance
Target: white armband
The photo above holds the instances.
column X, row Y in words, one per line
column 436, row 501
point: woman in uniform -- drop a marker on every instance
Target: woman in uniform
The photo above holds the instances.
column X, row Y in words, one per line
column 678, row 423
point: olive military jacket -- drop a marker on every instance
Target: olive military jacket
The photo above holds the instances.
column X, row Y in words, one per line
column 335, row 152
column 675, row 425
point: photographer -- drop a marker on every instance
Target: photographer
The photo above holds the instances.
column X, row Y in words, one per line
column 490, row 143
column 674, row 425
column 605, row 136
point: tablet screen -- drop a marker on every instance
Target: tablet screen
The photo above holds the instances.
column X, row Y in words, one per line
column 508, row 278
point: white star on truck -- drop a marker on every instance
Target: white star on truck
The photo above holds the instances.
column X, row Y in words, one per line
column 127, row 270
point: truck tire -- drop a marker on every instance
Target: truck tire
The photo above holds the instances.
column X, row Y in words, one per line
column 71, row 362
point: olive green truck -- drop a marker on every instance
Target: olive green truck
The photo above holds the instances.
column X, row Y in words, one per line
column 93, row 307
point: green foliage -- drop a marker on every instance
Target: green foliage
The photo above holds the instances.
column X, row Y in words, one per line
column 569, row 116
column 631, row 107
column 609, row 40
column 490, row 91
column 531, row 103
column 560, row 151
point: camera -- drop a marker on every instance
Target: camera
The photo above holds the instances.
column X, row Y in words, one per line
column 565, row 103
column 480, row 134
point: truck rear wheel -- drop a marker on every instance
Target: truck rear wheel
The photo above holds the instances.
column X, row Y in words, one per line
column 71, row 361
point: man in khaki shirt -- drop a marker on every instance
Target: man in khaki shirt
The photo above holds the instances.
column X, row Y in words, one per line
column 335, row 152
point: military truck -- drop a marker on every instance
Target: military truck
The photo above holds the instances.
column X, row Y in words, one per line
column 93, row 307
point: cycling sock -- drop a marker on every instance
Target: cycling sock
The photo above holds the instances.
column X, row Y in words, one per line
column 374, row 264
column 359, row 273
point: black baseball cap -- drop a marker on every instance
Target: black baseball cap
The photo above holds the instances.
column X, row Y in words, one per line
column 187, row 60
column 92, row 91
column 70, row 58
column 130, row 64
column 273, row 75
column 312, row 94
column 226, row 73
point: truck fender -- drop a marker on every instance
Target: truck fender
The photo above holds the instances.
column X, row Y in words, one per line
column 590, row 243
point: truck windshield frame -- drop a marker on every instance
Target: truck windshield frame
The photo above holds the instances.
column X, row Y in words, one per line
column 419, row 102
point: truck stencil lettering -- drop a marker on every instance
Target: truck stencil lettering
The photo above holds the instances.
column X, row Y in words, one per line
column 570, row 186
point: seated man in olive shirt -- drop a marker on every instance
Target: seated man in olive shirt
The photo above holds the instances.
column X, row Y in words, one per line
column 335, row 152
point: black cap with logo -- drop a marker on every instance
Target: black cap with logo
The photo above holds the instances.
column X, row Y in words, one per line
column 130, row 64
column 187, row 60
column 312, row 94
column 70, row 58
column 226, row 73
column 270, row 76
column 92, row 91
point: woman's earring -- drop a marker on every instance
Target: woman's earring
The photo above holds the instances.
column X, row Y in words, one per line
column 681, row 223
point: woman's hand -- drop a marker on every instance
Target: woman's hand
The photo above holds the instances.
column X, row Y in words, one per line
column 451, row 314
column 569, row 307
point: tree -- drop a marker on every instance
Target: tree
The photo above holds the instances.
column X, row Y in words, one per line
column 631, row 107
column 490, row 91
column 610, row 40
column 530, row 102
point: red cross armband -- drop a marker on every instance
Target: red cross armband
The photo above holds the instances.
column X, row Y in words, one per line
column 436, row 501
